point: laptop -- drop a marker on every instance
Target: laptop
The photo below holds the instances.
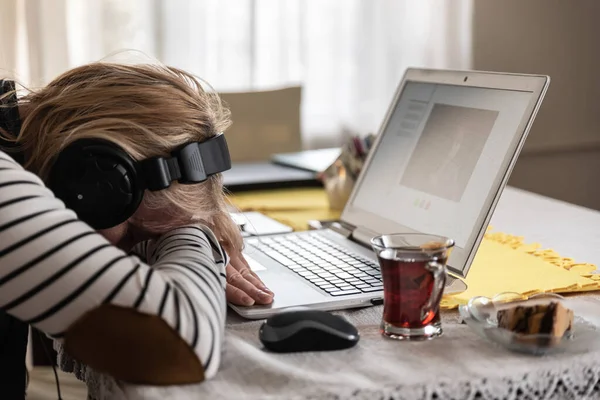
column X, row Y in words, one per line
column 266, row 175
column 442, row 157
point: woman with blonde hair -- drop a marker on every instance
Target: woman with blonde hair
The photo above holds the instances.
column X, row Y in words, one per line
column 128, row 259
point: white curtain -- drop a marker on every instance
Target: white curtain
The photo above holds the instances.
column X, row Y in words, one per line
column 348, row 55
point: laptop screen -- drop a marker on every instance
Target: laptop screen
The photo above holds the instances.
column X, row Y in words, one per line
column 439, row 156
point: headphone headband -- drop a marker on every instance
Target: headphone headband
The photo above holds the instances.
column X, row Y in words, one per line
column 191, row 163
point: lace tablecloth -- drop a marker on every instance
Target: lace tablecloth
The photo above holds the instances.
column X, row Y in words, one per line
column 459, row 365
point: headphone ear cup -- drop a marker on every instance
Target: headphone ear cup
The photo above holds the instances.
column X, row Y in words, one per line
column 97, row 180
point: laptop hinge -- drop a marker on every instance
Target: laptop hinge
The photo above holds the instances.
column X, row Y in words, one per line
column 342, row 229
column 363, row 235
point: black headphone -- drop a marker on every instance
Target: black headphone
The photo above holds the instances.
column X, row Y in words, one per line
column 103, row 184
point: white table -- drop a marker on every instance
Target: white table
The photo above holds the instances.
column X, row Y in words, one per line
column 458, row 364
column 570, row 230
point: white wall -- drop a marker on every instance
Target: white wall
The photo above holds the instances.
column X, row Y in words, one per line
column 562, row 39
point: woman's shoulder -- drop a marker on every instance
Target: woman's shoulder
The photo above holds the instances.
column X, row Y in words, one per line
column 6, row 157
column 12, row 173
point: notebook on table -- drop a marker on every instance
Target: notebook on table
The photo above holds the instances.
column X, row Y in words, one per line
column 309, row 160
column 266, row 175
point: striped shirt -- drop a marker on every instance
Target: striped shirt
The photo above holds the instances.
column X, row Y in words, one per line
column 55, row 268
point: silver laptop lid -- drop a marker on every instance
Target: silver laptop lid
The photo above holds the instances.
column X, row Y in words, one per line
column 443, row 155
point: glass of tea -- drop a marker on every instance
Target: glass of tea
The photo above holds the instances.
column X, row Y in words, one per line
column 413, row 268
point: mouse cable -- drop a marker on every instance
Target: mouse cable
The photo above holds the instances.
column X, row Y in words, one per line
column 53, row 366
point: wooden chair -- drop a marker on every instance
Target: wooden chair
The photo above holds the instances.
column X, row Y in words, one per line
column 264, row 123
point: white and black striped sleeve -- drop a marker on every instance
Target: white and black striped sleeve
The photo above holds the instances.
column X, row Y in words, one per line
column 55, row 268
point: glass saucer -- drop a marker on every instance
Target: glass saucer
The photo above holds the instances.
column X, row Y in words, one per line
column 480, row 314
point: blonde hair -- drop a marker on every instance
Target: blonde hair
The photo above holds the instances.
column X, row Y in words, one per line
column 147, row 110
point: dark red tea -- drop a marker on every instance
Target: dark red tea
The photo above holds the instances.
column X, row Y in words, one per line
column 407, row 289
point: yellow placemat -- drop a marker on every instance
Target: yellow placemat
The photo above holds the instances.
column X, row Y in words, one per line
column 293, row 207
column 504, row 263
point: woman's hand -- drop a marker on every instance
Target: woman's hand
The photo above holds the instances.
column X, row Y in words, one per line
column 244, row 287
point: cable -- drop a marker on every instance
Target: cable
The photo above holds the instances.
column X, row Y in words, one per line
column 53, row 366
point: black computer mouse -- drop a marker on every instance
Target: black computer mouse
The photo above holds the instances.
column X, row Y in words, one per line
column 307, row 330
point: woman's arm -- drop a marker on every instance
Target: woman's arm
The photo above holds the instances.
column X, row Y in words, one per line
column 113, row 311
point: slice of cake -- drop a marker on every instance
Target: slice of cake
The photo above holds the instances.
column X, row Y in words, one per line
column 551, row 319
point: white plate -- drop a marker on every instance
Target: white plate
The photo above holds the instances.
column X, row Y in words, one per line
column 480, row 315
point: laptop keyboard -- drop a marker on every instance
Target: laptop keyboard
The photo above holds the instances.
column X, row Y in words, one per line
column 322, row 262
